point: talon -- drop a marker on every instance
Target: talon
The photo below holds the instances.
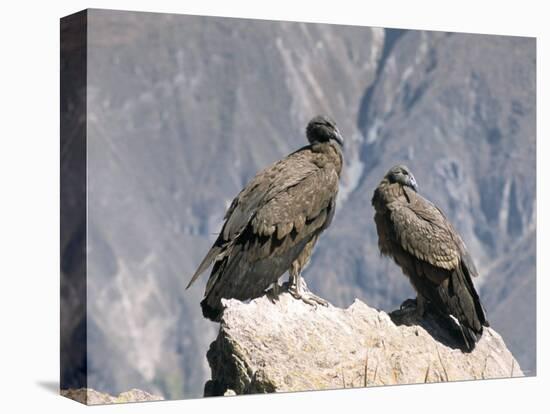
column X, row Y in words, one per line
column 298, row 290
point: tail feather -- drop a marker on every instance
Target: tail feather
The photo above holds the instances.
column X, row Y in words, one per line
column 463, row 303
column 470, row 337
column 224, row 270
column 207, row 261
column 480, row 310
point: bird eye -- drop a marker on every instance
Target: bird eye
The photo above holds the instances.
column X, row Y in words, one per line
column 405, row 172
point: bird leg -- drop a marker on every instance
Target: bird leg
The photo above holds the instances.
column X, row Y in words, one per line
column 298, row 289
column 420, row 306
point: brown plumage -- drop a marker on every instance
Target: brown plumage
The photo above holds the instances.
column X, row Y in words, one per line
column 274, row 222
column 421, row 240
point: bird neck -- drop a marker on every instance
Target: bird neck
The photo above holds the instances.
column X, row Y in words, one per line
column 387, row 192
column 329, row 152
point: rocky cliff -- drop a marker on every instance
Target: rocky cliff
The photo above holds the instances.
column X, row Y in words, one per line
column 290, row 346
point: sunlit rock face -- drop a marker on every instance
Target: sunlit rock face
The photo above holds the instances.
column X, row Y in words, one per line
column 265, row 347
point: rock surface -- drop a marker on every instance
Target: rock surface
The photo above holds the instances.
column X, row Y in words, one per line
column 90, row 396
column 290, row 346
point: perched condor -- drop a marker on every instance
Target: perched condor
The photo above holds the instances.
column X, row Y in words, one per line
column 274, row 222
column 420, row 239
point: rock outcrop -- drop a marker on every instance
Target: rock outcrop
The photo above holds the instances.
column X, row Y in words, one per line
column 90, row 396
column 290, row 346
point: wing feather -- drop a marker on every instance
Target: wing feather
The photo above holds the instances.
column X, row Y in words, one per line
column 266, row 185
column 277, row 201
column 423, row 231
column 302, row 207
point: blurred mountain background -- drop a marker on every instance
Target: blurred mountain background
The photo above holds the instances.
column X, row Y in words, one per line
column 184, row 110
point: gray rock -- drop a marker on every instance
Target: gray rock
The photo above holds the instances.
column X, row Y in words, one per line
column 290, row 346
column 90, row 396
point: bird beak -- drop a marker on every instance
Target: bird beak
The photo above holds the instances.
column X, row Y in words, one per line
column 339, row 138
column 412, row 183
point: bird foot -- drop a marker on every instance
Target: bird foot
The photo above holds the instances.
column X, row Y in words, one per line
column 408, row 305
column 301, row 292
column 416, row 307
column 410, row 312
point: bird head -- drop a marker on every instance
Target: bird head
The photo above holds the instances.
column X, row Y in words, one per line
column 402, row 175
column 323, row 129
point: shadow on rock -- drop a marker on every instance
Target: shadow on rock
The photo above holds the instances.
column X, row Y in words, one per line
column 442, row 328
